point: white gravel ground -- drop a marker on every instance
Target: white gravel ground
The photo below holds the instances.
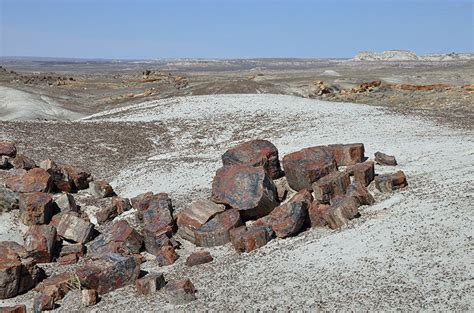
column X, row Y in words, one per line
column 411, row 251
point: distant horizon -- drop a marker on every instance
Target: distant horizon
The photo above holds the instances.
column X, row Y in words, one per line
column 234, row 29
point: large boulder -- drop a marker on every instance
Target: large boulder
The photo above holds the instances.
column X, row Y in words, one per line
column 40, row 241
column 245, row 188
column 215, row 232
column 288, row 219
column 255, row 153
column 330, row 186
column 109, row 272
column 304, row 167
column 18, row 272
column 196, row 215
column 36, row 208
column 74, row 228
column 348, row 154
column 8, row 200
column 7, row 148
column 35, row 180
column 119, row 238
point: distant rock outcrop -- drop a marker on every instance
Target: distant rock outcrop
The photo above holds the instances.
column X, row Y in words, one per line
column 405, row 55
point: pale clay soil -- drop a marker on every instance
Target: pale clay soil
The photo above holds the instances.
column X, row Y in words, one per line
column 410, row 251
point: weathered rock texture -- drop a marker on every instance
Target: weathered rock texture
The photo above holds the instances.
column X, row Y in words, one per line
column 36, row 208
column 330, row 186
column 389, row 182
column 385, row 159
column 215, row 232
column 348, row 154
column 248, row 239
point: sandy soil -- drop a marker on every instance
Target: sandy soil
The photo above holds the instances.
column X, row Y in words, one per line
column 410, row 251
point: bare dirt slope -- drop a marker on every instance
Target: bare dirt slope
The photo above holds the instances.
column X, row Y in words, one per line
column 410, row 251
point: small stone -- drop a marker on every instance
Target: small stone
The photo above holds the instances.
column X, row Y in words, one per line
column 36, row 208
column 42, row 303
column 109, row 272
column 66, row 203
column 248, row 239
column 255, row 153
column 40, row 242
column 385, row 159
column 199, row 257
column 34, row 180
column 316, row 213
column 215, row 232
column 288, row 219
column 304, row 167
column 150, row 284
column 8, row 200
column 390, row 182
column 167, row 256
column 100, row 189
column 348, row 154
column 363, row 173
column 8, row 148
column 75, row 228
column 19, row 308
column 118, row 238
column 360, row 193
column 23, row 162
column 61, row 180
column 245, row 188
column 181, row 291
column 330, row 186
column 196, row 215
column 90, row 297
column 57, row 286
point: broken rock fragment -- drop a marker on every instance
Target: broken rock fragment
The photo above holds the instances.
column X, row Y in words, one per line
column 288, row 219
column 215, row 232
column 109, row 272
column 245, row 188
column 80, row 178
column 196, row 215
column 389, row 182
column 248, row 239
column 316, row 213
column 89, row 297
column 166, row 256
column 74, row 228
column 36, row 208
column 23, row 162
column 255, row 153
column 61, row 179
column 121, row 204
column 42, row 303
column 40, row 241
column 100, row 189
column 57, row 286
column 348, row 154
column 385, row 159
column 330, row 186
column 304, row 167
column 66, row 203
column 150, row 283
column 8, row 200
column 363, row 173
column 199, row 257
column 181, row 291
column 19, row 308
column 341, row 210
column 358, row 191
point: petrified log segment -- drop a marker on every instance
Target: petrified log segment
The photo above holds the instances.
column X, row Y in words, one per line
column 181, row 291
column 288, row 219
column 40, row 242
column 108, row 273
column 75, row 228
column 331, row 185
column 119, row 238
column 57, row 286
column 316, row 213
column 385, row 159
column 363, row 173
column 255, row 153
column 245, row 188
column 23, row 162
column 79, row 177
column 215, row 232
column 248, row 239
column 35, row 180
column 342, row 210
column 150, row 284
column 196, row 215
column 198, row 258
column 389, row 182
column 36, row 208
column 304, row 167
column 360, row 193
column 348, row 154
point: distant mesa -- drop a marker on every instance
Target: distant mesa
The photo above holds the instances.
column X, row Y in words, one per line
column 405, row 55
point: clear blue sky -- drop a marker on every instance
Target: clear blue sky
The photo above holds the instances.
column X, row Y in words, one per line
column 232, row 28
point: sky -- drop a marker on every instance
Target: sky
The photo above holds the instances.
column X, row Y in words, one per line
column 146, row 29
